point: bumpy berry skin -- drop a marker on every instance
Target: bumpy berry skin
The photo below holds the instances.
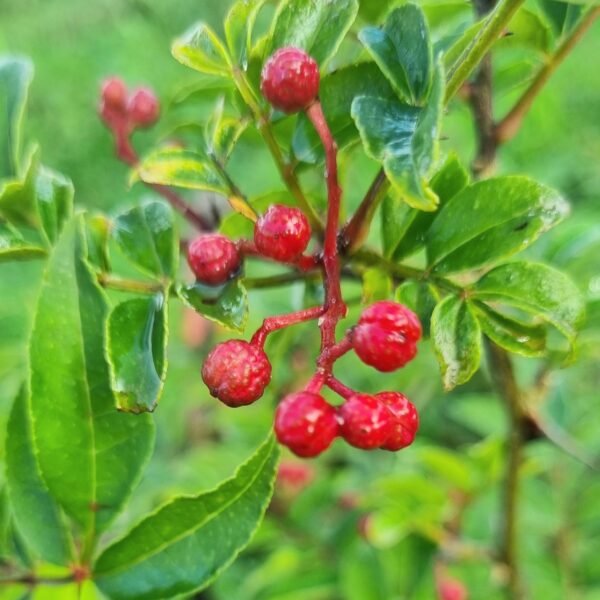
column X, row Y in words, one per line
column 236, row 372
column 386, row 336
column 143, row 107
column 213, row 258
column 366, row 422
column 406, row 420
column 282, row 233
column 306, row 424
column 114, row 94
column 290, row 80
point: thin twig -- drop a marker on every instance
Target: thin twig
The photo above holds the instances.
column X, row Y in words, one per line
column 511, row 123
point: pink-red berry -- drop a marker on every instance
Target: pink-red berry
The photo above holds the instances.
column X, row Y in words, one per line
column 237, row 372
column 406, row 420
column 213, row 258
column 290, row 80
column 365, row 421
column 306, row 424
column 451, row 589
column 386, row 336
column 143, row 107
column 282, row 233
column 114, row 94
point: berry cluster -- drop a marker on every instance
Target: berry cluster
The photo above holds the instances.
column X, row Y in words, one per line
column 138, row 109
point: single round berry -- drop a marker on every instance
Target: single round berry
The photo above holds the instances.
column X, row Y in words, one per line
column 452, row 589
column 143, row 107
column 236, row 372
column 386, row 335
column 406, row 420
column 290, row 80
column 213, row 258
column 114, row 94
column 366, row 421
column 306, row 424
column 282, row 233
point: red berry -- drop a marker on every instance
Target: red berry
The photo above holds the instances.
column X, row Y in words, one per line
column 294, row 476
column 282, row 233
column 406, row 420
column 306, row 424
column 386, row 335
column 143, row 107
column 237, row 372
column 213, row 258
column 366, row 422
column 452, row 589
column 290, row 80
column 114, row 94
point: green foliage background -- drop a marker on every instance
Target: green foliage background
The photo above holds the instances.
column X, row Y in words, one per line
column 312, row 549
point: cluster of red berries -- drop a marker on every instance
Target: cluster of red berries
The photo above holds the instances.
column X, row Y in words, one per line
column 117, row 106
column 385, row 337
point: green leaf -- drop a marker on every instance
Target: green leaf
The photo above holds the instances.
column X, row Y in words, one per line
column 561, row 15
column 313, row 25
column 377, row 285
column 146, row 235
column 180, row 168
column 405, row 139
column 490, row 220
column 509, row 333
column 403, row 51
column 37, row 516
column 18, row 196
column 54, row 197
column 226, row 304
column 537, row 289
column 201, row 49
column 201, row 535
column 336, row 92
column 404, row 229
column 14, row 247
column 90, row 455
column 529, row 31
column 456, row 339
column 97, row 233
column 239, row 24
column 422, row 298
column 15, row 77
column 222, row 133
column 136, row 352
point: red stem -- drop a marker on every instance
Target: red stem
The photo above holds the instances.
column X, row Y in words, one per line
column 271, row 324
column 334, row 303
column 125, row 151
column 339, row 388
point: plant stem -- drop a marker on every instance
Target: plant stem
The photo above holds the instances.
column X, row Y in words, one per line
column 271, row 324
column 511, row 123
column 470, row 58
column 504, row 378
column 285, row 169
column 334, row 303
column 355, row 231
column 129, row 285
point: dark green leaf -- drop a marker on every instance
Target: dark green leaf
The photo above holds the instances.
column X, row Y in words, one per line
column 457, row 340
column 15, row 76
column 180, row 168
column 54, row 196
column 421, row 297
column 537, row 289
column 404, row 229
column 491, row 219
column 200, row 48
column 146, row 235
column 201, row 535
column 313, row 25
column 37, row 516
column 90, row 455
column 337, row 91
column 226, row 304
column 14, row 247
column 404, row 138
column 561, row 15
column 511, row 334
column 403, row 51
column 136, row 352
column 239, row 24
